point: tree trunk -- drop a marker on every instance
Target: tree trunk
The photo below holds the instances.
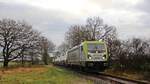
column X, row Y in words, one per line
column 22, row 60
column 45, row 57
column 32, row 58
column 5, row 63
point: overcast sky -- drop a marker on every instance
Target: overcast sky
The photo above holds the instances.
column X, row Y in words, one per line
column 53, row 17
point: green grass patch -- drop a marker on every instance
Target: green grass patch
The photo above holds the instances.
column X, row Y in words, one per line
column 40, row 75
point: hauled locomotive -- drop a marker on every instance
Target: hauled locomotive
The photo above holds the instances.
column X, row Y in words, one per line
column 89, row 54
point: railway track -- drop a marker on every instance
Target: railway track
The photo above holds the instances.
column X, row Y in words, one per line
column 102, row 78
column 122, row 80
column 117, row 80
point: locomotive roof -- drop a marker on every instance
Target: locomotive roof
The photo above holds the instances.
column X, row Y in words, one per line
column 100, row 41
column 97, row 42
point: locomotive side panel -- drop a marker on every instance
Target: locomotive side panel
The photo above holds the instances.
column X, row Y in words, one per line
column 74, row 56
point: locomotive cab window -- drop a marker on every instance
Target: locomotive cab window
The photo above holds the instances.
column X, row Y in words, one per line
column 93, row 48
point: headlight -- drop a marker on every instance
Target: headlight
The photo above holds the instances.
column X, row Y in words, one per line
column 89, row 56
column 104, row 56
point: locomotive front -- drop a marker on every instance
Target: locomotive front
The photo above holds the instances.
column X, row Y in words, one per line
column 96, row 54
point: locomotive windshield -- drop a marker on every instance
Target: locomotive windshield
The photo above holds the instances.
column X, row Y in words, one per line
column 93, row 48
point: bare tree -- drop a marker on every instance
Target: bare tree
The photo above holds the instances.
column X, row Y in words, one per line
column 76, row 34
column 15, row 38
column 94, row 29
column 63, row 48
column 130, row 54
column 138, row 56
column 94, row 25
column 32, row 47
column 46, row 46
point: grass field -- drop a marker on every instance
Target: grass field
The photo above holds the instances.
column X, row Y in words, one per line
column 40, row 75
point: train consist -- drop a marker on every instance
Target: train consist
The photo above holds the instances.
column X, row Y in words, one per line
column 89, row 54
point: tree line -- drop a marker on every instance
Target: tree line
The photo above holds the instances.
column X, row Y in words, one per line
column 124, row 54
column 18, row 40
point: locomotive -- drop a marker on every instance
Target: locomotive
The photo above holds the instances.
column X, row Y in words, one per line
column 89, row 54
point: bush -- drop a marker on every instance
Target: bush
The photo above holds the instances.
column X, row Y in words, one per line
column 132, row 54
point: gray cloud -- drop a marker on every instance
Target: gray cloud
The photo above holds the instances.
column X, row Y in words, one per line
column 50, row 23
column 130, row 18
column 144, row 6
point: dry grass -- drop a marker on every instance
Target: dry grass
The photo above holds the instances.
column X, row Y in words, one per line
column 13, row 71
column 40, row 75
